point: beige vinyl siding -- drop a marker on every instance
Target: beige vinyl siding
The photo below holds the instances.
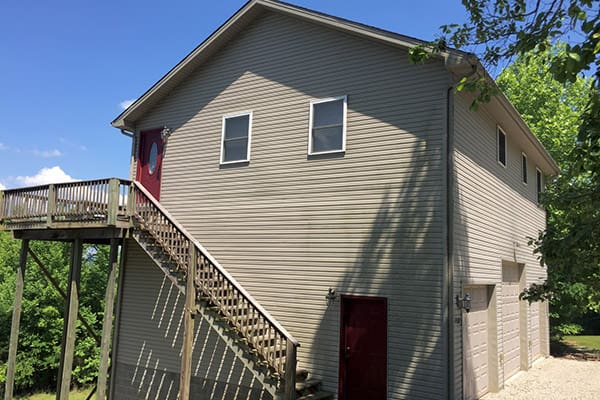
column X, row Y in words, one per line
column 494, row 214
column 150, row 335
column 289, row 226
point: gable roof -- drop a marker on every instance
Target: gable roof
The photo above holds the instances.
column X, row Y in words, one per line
column 456, row 61
column 236, row 23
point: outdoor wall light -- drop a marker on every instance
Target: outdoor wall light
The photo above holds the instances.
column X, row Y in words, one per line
column 165, row 133
column 330, row 296
column 464, row 303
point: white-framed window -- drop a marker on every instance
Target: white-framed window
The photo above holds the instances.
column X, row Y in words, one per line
column 539, row 184
column 327, row 126
column 501, row 146
column 235, row 137
column 524, row 168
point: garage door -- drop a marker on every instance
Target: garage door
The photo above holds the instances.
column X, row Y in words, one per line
column 510, row 320
column 535, row 330
column 476, row 344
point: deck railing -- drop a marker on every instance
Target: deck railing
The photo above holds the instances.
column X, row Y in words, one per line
column 117, row 203
column 101, row 202
column 262, row 332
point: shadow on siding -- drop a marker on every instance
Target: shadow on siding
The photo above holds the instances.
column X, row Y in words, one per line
column 150, row 340
column 401, row 259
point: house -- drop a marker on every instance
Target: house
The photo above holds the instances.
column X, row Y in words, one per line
column 344, row 213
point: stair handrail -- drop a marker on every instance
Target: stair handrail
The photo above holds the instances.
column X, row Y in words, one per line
column 206, row 254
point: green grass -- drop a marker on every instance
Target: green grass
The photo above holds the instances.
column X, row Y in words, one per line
column 80, row 394
column 589, row 342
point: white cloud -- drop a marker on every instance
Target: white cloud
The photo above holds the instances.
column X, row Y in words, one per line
column 2, row 187
column 46, row 176
column 126, row 103
column 47, row 153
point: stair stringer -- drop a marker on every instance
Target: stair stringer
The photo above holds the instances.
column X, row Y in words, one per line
column 234, row 342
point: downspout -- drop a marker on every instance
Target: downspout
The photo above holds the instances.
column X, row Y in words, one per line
column 449, row 277
column 131, row 134
column 128, row 134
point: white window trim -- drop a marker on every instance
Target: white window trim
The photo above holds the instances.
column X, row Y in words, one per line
column 523, row 155
column 310, row 125
column 538, row 193
column 227, row 116
column 498, row 130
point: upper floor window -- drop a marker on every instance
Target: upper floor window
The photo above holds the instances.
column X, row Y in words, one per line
column 501, row 146
column 327, row 126
column 539, row 184
column 524, row 168
column 235, row 139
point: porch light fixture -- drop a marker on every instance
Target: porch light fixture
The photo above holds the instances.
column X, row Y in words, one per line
column 165, row 133
column 330, row 296
column 464, row 303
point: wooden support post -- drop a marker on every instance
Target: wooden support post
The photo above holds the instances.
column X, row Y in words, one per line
column 2, row 207
column 113, row 201
column 51, row 204
column 16, row 320
column 70, row 323
column 290, row 371
column 115, row 339
column 188, row 327
column 109, row 301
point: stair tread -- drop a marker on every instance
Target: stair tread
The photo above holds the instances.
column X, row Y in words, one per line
column 317, row 396
column 308, row 383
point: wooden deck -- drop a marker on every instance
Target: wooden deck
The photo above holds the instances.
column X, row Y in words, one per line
column 94, row 211
column 107, row 210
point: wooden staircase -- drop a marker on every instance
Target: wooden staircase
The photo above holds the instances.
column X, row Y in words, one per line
column 257, row 339
column 111, row 207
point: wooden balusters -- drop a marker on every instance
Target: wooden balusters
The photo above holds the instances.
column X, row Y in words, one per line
column 261, row 331
column 76, row 204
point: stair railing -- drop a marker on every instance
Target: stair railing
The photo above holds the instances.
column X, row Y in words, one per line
column 261, row 331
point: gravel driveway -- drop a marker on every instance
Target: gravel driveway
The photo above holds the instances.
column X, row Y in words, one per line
column 554, row 378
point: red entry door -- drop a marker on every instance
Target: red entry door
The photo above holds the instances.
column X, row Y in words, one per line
column 363, row 352
column 149, row 167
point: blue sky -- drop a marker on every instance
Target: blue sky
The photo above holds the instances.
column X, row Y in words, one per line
column 68, row 67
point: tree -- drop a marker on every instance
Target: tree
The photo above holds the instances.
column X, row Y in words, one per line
column 43, row 309
column 553, row 111
column 500, row 30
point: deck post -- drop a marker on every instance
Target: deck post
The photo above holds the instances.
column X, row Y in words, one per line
column 290, row 371
column 131, row 200
column 188, row 326
column 113, row 201
column 16, row 320
column 70, row 323
column 51, row 204
column 107, row 323
column 2, row 208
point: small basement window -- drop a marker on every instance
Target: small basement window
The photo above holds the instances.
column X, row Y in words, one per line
column 539, row 184
column 501, row 146
column 327, row 126
column 235, row 139
column 524, row 168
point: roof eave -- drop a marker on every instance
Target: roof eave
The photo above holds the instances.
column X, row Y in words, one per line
column 516, row 116
column 453, row 59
